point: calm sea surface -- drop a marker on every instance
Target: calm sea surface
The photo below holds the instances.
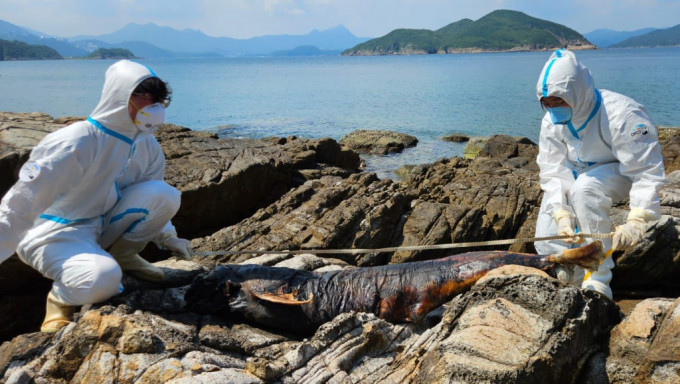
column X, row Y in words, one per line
column 425, row 96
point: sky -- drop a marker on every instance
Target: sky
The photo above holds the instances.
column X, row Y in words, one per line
column 364, row 18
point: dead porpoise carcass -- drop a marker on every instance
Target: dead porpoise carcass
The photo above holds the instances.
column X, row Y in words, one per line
column 300, row 301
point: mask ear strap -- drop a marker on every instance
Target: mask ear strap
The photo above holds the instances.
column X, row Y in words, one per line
column 138, row 111
column 133, row 104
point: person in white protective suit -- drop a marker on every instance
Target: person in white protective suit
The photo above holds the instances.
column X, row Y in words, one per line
column 93, row 186
column 596, row 147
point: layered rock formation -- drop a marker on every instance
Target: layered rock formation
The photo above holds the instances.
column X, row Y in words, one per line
column 279, row 194
column 148, row 337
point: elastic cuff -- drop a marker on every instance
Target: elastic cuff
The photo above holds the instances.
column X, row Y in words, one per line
column 643, row 215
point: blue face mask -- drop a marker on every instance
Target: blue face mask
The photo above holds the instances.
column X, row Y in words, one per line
column 560, row 115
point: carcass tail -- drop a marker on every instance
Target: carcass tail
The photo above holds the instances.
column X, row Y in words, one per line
column 588, row 257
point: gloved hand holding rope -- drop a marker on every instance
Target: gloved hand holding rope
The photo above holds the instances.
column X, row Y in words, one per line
column 633, row 231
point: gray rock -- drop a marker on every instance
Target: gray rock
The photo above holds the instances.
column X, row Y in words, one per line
column 546, row 330
column 674, row 177
column 647, row 264
column 670, row 139
column 378, row 142
column 358, row 212
column 225, row 180
column 497, row 146
column 644, row 346
column 456, row 138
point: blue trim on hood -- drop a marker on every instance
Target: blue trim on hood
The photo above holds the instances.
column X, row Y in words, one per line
column 598, row 103
column 147, row 67
column 558, row 53
column 108, row 131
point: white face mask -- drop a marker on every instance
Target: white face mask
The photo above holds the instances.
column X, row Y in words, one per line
column 149, row 118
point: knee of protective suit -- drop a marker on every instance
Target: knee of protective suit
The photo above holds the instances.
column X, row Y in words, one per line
column 587, row 196
column 97, row 282
column 166, row 198
column 592, row 208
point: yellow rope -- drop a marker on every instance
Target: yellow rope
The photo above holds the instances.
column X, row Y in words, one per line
column 407, row 248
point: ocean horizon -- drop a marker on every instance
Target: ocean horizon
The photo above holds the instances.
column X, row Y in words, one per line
column 427, row 96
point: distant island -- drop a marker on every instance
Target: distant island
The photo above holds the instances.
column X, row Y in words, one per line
column 669, row 37
column 111, row 53
column 501, row 30
column 17, row 50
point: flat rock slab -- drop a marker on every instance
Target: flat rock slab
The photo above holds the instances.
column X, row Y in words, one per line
column 378, row 142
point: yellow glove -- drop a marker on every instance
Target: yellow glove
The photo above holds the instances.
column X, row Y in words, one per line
column 180, row 248
column 565, row 227
column 630, row 233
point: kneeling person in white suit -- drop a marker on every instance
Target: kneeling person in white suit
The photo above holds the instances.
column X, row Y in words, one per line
column 93, row 186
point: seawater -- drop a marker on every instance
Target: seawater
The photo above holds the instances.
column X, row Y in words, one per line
column 330, row 96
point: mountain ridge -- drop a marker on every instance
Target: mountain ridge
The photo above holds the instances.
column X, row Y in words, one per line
column 194, row 41
column 9, row 32
column 151, row 40
column 669, row 37
column 603, row 37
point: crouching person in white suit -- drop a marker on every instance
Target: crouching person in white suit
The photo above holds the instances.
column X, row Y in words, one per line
column 92, row 196
column 596, row 147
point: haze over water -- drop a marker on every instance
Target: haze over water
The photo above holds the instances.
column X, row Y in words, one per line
column 425, row 96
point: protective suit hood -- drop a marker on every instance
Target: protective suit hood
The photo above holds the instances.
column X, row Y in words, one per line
column 565, row 77
column 120, row 80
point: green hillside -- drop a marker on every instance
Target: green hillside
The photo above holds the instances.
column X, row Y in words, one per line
column 405, row 41
column 501, row 30
column 111, row 53
column 17, row 50
column 660, row 38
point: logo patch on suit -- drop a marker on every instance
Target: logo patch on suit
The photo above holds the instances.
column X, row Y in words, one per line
column 29, row 171
column 640, row 129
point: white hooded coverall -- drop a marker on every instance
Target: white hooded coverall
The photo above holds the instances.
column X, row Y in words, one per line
column 607, row 152
column 85, row 186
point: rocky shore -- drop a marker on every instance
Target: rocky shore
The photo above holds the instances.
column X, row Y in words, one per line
column 515, row 325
